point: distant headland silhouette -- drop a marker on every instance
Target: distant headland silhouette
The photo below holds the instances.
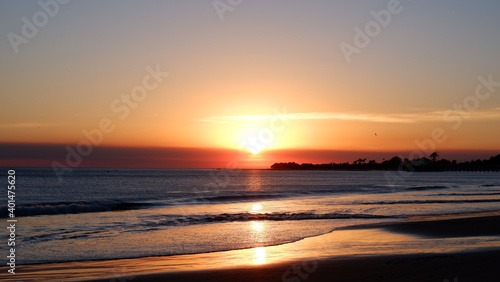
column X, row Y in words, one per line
column 433, row 163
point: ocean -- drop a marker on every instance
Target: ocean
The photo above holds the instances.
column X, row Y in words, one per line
column 101, row 213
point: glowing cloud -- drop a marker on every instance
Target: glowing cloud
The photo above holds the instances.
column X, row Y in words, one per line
column 487, row 114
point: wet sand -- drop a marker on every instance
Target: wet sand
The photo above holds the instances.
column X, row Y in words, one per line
column 472, row 266
column 458, row 265
column 450, row 228
column 430, row 249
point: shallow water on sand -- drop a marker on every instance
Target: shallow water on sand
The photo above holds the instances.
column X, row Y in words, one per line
column 343, row 243
column 110, row 214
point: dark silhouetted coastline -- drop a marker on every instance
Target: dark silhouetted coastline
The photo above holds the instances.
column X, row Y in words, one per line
column 397, row 163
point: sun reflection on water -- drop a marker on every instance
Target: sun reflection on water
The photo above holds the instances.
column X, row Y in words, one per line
column 258, row 234
column 257, row 226
column 260, row 255
column 254, row 181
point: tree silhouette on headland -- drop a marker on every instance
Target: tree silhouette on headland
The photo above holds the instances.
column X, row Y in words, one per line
column 434, row 156
column 397, row 163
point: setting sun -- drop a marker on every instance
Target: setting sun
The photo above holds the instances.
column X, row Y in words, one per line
column 255, row 151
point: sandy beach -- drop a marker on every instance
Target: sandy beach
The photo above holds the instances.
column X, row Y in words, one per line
column 469, row 266
column 460, row 247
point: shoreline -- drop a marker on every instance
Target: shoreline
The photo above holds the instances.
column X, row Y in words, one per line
column 469, row 266
column 409, row 247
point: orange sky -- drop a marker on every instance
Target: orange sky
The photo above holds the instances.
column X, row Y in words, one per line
column 178, row 79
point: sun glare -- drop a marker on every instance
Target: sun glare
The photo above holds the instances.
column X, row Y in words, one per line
column 255, row 138
column 260, row 255
column 256, row 207
column 257, row 226
column 254, row 151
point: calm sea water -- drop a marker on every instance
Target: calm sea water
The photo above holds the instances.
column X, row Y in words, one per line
column 124, row 213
